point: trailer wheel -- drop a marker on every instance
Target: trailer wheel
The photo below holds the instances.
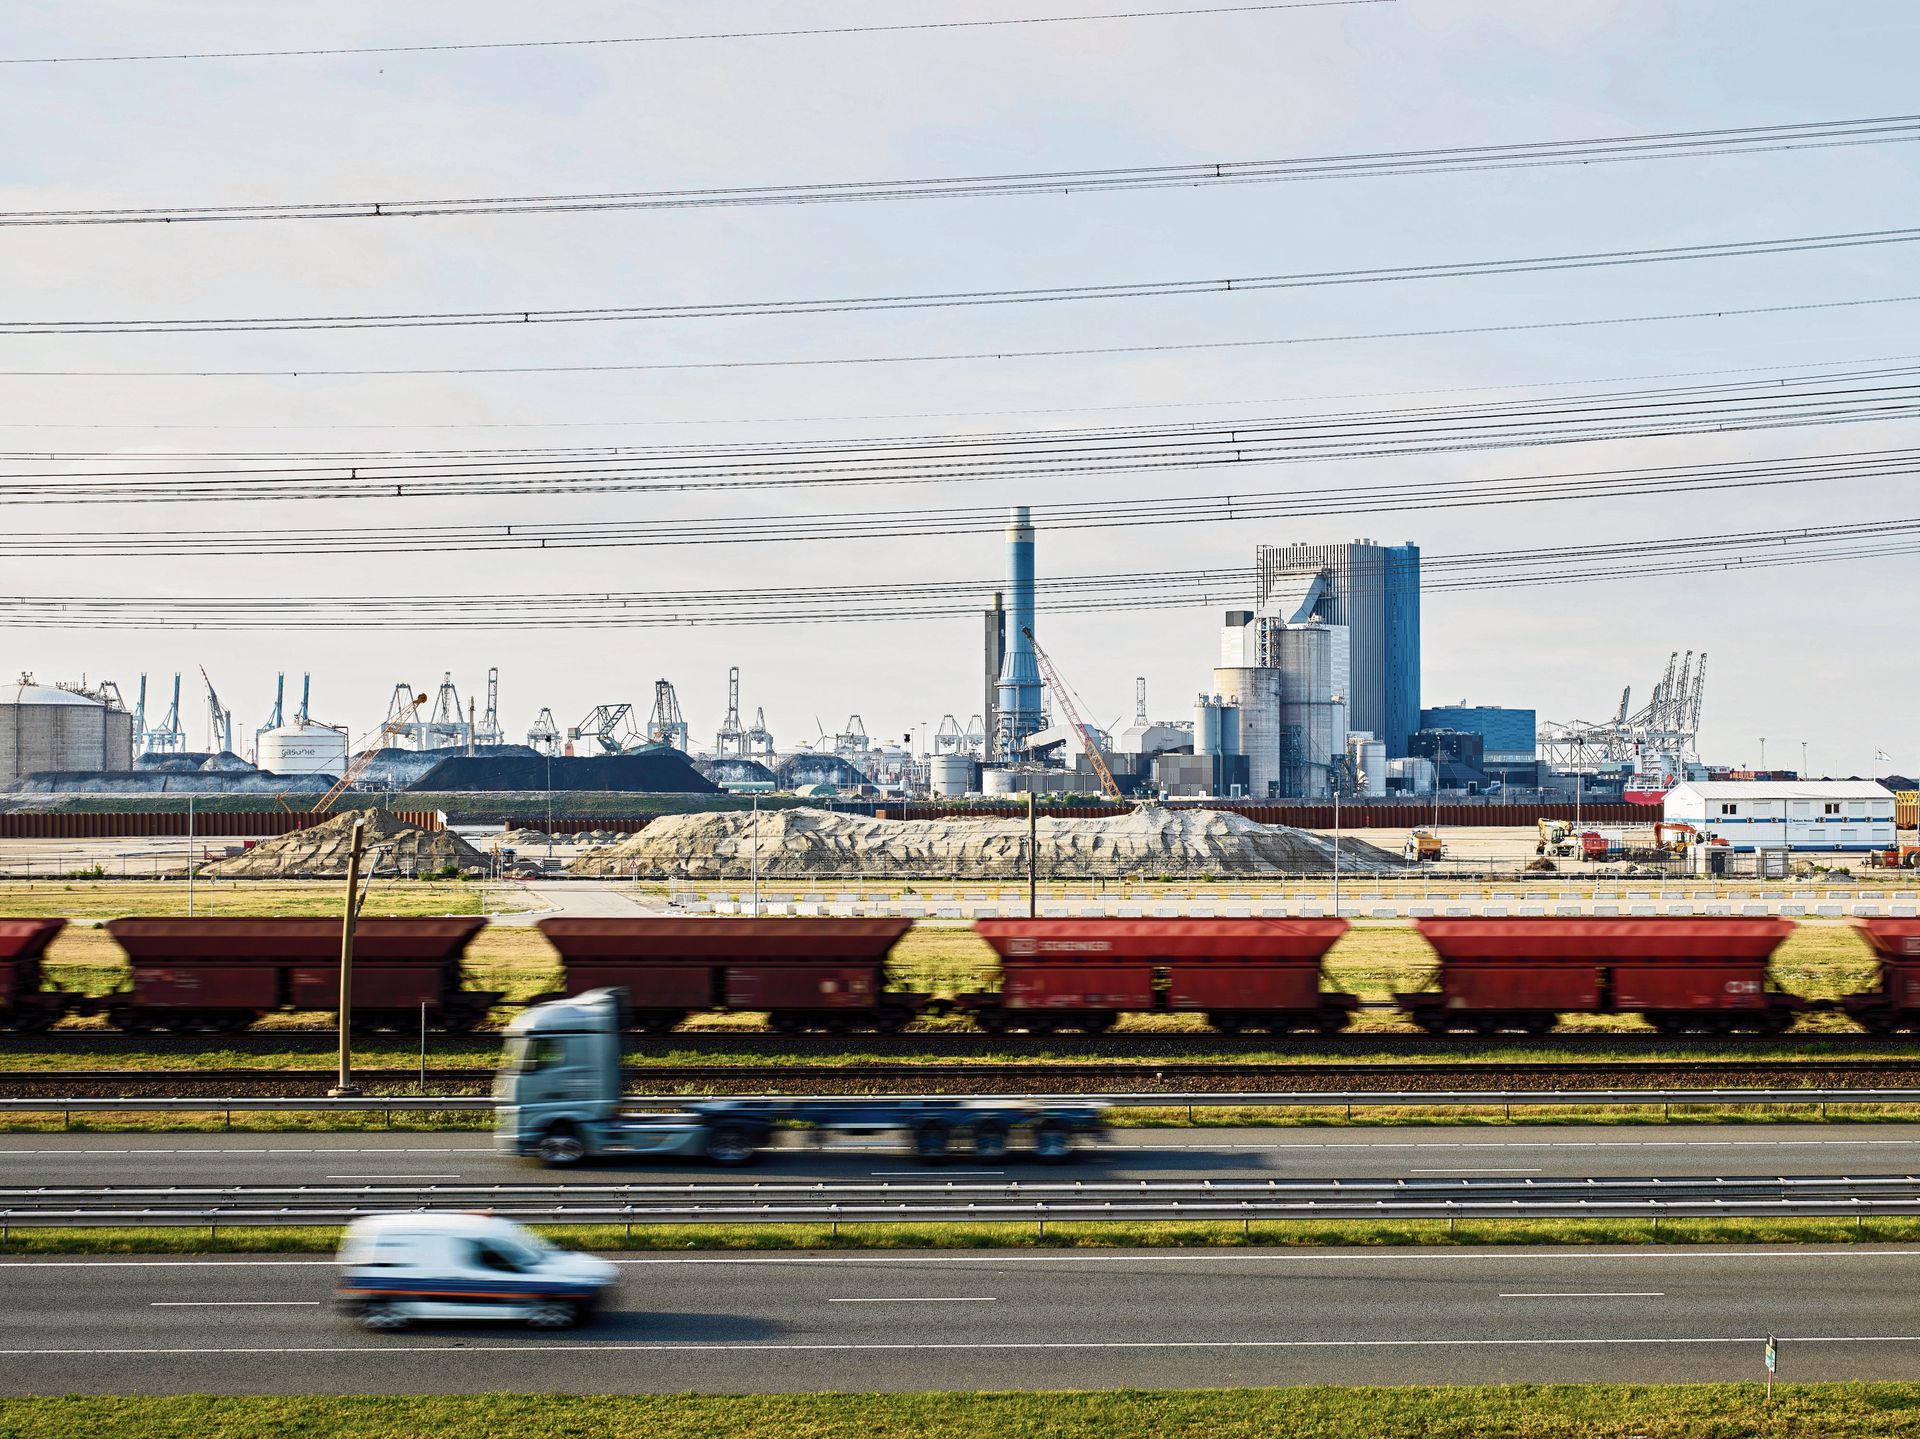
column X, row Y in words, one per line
column 931, row 1141
column 559, row 1147
column 733, row 1146
column 990, row 1139
column 1052, row 1142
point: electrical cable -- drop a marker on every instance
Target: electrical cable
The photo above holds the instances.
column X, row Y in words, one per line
column 1133, row 590
column 1457, row 159
column 1610, row 485
column 808, row 33
column 941, row 459
column 959, row 356
column 1058, row 294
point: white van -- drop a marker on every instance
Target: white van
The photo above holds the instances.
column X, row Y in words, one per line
column 396, row 1268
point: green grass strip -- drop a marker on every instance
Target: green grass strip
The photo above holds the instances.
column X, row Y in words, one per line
column 1055, row 1234
column 1517, row 1411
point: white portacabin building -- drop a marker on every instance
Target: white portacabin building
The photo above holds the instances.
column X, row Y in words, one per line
column 1824, row 816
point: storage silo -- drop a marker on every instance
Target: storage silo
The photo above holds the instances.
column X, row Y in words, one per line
column 1313, row 705
column 304, row 747
column 1256, row 694
column 46, row 728
column 950, row 775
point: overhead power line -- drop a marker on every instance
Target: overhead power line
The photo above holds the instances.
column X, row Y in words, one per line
column 810, row 32
column 865, row 304
column 966, row 458
column 1523, row 155
column 679, row 421
column 1316, row 503
column 1692, row 553
column 965, row 355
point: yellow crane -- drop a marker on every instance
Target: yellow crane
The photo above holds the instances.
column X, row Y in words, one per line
column 361, row 762
column 1092, row 745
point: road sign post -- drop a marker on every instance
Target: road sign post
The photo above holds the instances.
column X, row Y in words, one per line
column 1772, row 1358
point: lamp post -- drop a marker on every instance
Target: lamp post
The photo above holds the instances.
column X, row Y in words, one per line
column 344, row 1088
column 754, row 841
column 189, row 856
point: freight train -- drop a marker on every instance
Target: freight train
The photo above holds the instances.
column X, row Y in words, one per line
column 1493, row 975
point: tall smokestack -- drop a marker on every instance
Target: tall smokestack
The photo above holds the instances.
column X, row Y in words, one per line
column 1019, row 702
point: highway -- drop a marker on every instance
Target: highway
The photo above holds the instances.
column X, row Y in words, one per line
column 1463, row 1151
column 997, row 1320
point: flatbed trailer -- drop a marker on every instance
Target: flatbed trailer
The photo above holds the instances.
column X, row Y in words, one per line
column 560, row 1103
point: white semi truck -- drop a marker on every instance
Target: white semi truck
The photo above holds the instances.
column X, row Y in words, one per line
column 559, row 1101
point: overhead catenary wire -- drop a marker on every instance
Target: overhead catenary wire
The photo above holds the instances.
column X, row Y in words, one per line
column 923, row 599
column 1057, row 294
column 973, row 458
column 1455, row 159
column 951, row 357
column 806, row 32
column 653, row 531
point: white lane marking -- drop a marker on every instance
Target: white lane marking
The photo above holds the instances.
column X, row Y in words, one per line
column 1475, row 1169
column 392, row 1176
column 924, row 1299
column 923, row 1174
column 363, row 1350
column 1363, row 1145
column 234, row 1304
column 1591, row 1294
column 1664, row 1255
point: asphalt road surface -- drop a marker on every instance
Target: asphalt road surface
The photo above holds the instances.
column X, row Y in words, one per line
column 761, row 1323
column 1517, row 1151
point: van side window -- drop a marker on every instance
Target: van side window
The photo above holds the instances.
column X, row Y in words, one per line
column 485, row 1256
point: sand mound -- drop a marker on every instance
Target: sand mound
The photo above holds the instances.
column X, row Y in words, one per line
column 321, row 852
column 811, row 843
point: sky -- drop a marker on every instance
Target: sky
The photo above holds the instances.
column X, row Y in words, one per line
column 1809, row 654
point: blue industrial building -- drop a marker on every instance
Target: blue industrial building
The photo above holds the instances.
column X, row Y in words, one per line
column 1403, row 715
column 1507, row 734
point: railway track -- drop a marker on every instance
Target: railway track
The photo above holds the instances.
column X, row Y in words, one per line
column 1012, row 1078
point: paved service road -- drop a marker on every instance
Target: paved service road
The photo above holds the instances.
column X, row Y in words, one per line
column 738, row 1323
column 1516, row 1151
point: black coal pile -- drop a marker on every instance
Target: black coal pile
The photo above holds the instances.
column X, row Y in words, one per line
column 653, row 771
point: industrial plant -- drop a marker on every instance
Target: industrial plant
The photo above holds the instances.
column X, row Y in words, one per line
column 1312, row 692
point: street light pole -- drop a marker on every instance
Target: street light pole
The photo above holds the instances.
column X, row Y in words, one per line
column 754, row 840
column 189, row 856
column 1033, row 858
column 344, row 1088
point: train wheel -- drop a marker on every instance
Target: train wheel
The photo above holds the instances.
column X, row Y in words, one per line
column 458, row 1020
column 785, row 1023
column 892, row 1018
column 129, row 1020
column 30, row 1020
column 1332, row 1021
column 1433, row 1022
column 1227, row 1023
column 1540, row 1023
column 1486, row 1027
column 1039, row 1025
column 1099, row 1023
column 1877, row 1021
column 991, row 1019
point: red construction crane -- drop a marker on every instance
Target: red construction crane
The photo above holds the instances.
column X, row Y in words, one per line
column 361, row 762
column 1087, row 740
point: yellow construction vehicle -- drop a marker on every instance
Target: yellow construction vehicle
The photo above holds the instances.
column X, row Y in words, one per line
column 1422, row 844
column 1558, row 839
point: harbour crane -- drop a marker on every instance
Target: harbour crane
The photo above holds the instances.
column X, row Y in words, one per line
column 1092, row 745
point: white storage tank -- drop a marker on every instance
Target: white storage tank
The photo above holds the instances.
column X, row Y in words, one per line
column 950, row 775
column 43, row 727
column 304, row 749
column 1416, row 773
column 997, row 781
column 1369, row 759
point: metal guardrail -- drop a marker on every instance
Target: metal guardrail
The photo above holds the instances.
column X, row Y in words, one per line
column 1263, row 1099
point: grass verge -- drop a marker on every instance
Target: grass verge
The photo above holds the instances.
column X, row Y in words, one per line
column 1508, row 1411
column 1144, row 1234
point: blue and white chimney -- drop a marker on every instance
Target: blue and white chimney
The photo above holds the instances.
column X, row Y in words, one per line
column 1020, row 693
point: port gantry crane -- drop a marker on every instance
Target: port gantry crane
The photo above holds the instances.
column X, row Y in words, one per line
column 1059, row 688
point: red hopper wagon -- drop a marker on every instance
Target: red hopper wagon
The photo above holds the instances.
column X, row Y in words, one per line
column 29, row 1002
column 1894, row 1003
column 1085, row 973
column 217, row 976
column 1681, row 975
column 807, row 974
